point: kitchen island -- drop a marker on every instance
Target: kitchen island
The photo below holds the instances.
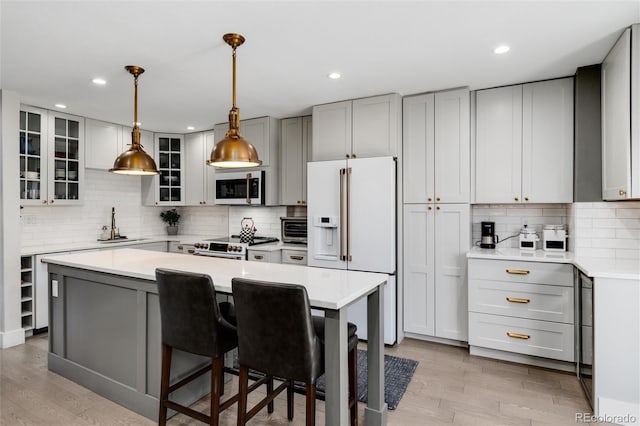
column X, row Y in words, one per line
column 104, row 324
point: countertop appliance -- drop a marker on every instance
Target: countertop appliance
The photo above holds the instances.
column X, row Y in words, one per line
column 489, row 237
column 351, row 208
column 230, row 247
column 240, row 187
column 554, row 238
column 293, row 230
column 528, row 238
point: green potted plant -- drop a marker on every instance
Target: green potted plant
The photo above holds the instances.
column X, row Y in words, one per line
column 171, row 217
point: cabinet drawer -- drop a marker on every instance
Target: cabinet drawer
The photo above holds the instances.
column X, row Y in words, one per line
column 259, row 256
column 525, row 336
column 296, row 257
column 533, row 301
column 522, row 272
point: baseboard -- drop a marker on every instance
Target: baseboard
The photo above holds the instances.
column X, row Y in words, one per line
column 618, row 412
column 434, row 339
column 11, row 338
column 523, row 359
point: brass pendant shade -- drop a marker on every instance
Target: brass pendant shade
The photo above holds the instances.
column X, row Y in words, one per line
column 234, row 150
column 135, row 161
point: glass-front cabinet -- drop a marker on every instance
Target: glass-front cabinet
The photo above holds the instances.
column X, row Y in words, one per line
column 168, row 187
column 51, row 157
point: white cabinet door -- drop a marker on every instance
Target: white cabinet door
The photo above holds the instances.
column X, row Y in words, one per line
column 33, row 156
column 103, row 144
column 498, row 145
column 307, row 134
column 66, row 159
column 195, row 163
column 41, row 296
column 547, row 141
column 169, row 150
column 452, row 237
column 256, row 131
column 331, row 131
column 418, row 150
column 210, row 172
column 616, row 120
column 375, row 126
column 419, row 283
column 451, row 142
column 292, row 162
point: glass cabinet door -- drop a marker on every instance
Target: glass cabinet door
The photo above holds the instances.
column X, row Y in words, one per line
column 170, row 188
column 33, row 166
column 66, row 167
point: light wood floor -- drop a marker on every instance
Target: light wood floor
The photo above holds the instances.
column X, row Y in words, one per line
column 449, row 387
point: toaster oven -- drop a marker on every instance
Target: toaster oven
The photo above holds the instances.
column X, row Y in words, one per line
column 293, row 230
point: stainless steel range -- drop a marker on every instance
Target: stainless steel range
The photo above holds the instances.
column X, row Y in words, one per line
column 230, row 247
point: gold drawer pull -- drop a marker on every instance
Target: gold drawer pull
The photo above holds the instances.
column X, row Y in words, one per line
column 191, row 251
column 518, row 271
column 180, row 247
column 258, row 256
column 517, row 300
column 296, row 257
column 518, row 335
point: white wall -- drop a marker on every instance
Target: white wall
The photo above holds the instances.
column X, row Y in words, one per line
column 610, row 230
column 265, row 219
column 509, row 218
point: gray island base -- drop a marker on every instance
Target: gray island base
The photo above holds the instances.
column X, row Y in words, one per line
column 104, row 328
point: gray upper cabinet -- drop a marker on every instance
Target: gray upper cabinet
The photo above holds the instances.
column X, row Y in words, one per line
column 621, row 128
column 523, row 149
column 199, row 177
column 296, row 134
column 360, row 128
column 103, row 144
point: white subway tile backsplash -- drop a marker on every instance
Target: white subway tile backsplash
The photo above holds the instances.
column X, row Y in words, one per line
column 607, row 229
column 266, row 219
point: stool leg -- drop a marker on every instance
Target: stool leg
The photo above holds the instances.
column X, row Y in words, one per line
column 216, row 371
column 269, row 392
column 243, row 387
column 164, row 384
column 290, row 400
column 353, row 385
column 311, row 405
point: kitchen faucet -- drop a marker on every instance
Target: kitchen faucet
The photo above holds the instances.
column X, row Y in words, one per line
column 112, row 236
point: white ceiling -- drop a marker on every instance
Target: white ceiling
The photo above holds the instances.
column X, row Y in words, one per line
column 52, row 49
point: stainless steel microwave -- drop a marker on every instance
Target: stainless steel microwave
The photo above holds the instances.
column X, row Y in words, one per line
column 240, row 187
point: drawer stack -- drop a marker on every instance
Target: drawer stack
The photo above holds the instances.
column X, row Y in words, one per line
column 522, row 307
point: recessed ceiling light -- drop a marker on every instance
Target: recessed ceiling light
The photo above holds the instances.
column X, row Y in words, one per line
column 501, row 49
column 99, row 81
column 334, row 75
column 62, row 106
column 190, row 128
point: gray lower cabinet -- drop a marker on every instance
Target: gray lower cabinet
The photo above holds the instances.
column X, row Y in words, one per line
column 520, row 307
column 105, row 334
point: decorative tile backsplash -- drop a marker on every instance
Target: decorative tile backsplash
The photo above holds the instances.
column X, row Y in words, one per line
column 45, row 225
column 610, row 229
column 509, row 218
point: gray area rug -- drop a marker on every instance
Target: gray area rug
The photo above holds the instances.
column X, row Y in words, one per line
column 397, row 375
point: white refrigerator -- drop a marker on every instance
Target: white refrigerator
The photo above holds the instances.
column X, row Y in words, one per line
column 351, row 214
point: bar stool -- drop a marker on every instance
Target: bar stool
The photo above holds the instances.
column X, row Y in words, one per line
column 277, row 336
column 192, row 321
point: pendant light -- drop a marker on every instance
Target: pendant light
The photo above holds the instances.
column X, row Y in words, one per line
column 234, row 150
column 135, row 161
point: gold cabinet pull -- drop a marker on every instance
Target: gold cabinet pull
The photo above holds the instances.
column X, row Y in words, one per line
column 622, row 192
column 429, row 208
column 518, row 335
column 437, row 198
column 437, row 207
column 191, row 251
column 517, row 271
column 516, row 198
column 429, row 199
column 180, row 247
column 526, row 198
column 258, row 256
column 296, row 257
column 517, row 300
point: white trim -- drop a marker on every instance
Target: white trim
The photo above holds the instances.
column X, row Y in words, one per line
column 522, row 359
column 11, row 338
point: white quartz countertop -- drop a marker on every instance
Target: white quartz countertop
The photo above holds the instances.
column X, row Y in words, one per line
column 592, row 266
column 327, row 288
column 89, row 245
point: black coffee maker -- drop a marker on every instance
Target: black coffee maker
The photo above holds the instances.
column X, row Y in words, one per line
column 489, row 238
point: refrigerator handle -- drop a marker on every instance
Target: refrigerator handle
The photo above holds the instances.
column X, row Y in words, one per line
column 348, row 172
column 342, row 173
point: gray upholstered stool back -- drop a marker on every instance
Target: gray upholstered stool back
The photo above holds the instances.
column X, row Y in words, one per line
column 275, row 331
column 190, row 316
